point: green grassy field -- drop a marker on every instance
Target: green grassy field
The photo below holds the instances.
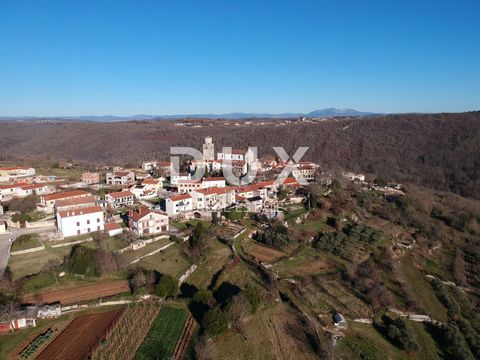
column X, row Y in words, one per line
column 33, row 263
column 70, row 174
column 163, row 335
column 291, row 213
column 301, row 260
column 131, row 255
column 172, row 261
column 217, row 255
column 362, row 341
column 422, row 288
column 314, row 226
column 27, row 241
column 182, row 225
column 116, row 243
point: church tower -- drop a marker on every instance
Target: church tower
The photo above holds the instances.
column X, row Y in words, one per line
column 208, row 149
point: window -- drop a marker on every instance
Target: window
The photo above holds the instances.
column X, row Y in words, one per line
column 98, row 228
column 88, row 222
column 78, row 232
column 98, row 220
column 78, row 223
column 88, row 230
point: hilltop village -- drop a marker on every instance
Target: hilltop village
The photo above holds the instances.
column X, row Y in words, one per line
column 294, row 249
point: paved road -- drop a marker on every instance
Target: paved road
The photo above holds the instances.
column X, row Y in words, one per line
column 4, row 251
column 14, row 233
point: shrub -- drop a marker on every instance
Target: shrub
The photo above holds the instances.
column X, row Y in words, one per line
column 202, row 296
column 251, row 294
column 215, row 322
column 167, row 286
column 81, row 261
column 276, row 236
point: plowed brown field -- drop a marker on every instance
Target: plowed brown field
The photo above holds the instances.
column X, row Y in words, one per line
column 80, row 337
column 264, row 253
column 79, row 294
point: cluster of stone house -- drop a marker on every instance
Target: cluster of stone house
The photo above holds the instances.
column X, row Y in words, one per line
column 23, row 189
column 257, row 197
column 212, row 194
column 78, row 212
column 12, row 173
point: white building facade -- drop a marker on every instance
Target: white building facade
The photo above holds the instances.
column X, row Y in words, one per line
column 80, row 221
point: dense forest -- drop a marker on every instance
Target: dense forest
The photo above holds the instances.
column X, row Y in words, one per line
column 441, row 151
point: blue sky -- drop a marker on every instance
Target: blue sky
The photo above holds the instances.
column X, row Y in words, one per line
column 179, row 57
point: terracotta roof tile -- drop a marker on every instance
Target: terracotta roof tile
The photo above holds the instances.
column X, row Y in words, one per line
column 80, row 211
column 66, row 194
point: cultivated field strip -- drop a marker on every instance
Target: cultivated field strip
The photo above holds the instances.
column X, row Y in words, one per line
column 123, row 340
column 184, row 340
column 81, row 336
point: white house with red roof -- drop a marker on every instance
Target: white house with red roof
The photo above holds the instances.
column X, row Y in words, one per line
column 90, row 178
column 187, row 186
column 7, row 173
column 175, row 178
column 24, row 189
column 164, row 166
column 175, row 205
column 146, row 222
column 80, row 221
column 148, row 188
column 11, row 190
column 121, row 177
column 119, row 199
column 112, row 228
column 153, row 184
column 213, row 199
column 210, row 182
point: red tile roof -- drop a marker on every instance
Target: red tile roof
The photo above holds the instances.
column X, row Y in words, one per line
column 290, row 182
column 121, row 173
column 189, row 182
column 120, row 194
column 65, row 195
column 80, row 211
column 14, row 168
column 151, row 181
column 32, row 186
column 75, row 201
column 214, row 190
column 12, row 186
column 180, row 197
column 142, row 212
column 112, row 226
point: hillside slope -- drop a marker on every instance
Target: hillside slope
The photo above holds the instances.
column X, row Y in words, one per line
column 439, row 151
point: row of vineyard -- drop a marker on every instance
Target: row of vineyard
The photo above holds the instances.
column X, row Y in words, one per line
column 129, row 332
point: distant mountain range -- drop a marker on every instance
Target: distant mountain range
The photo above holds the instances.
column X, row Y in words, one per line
column 330, row 112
